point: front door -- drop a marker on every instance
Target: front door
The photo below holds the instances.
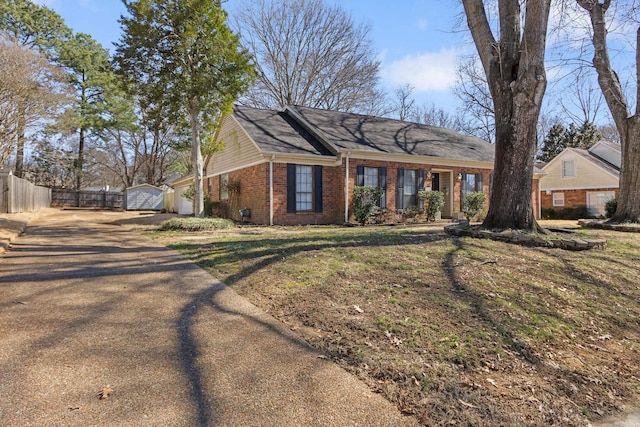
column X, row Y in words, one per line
column 435, row 181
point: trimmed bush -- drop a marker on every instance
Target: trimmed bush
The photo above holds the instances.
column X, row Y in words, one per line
column 195, row 224
column 365, row 203
column 473, row 204
column 579, row 212
column 611, row 207
column 433, row 202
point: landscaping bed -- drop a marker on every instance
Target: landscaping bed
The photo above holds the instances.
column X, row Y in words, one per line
column 454, row 330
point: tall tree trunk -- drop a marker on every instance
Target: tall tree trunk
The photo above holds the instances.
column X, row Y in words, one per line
column 196, row 160
column 514, row 67
column 80, row 161
column 628, row 125
column 629, row 196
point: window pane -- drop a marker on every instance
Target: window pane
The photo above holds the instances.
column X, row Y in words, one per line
column 410, row 182
column 371, row 177
column 558, row 199
column 304, row 188
column 568, row 168
column 224, row 186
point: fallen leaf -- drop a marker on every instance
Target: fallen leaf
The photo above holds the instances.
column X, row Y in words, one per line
column 492, row 382
column 469, row 405
column 358, row 309
column 105, row 392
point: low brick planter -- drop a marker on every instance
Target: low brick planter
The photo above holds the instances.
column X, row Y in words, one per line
column 519, row 238
column 627, row 228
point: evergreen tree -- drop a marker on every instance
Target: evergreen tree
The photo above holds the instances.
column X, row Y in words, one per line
column 186, row 48
column 559, row 138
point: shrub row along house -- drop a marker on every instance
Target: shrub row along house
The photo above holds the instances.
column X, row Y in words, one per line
column 300, row 165
column 582, row 180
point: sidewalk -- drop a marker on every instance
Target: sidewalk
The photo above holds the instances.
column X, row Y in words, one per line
column 90, row 307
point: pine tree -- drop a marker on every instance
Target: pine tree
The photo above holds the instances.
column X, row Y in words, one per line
column 185, row 48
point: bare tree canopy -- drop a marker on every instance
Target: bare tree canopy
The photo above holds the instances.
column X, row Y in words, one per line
column 308, row 53
column 628, row 125
column 31, row 91
column 515, row 71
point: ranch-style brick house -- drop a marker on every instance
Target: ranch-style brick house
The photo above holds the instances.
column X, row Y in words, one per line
column 577, row 178
column 300, row 165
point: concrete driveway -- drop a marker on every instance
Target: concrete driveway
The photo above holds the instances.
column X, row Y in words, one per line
column 91, row 308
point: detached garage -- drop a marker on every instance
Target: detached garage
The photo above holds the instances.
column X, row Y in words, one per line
column 182, row 205
column 144, row 197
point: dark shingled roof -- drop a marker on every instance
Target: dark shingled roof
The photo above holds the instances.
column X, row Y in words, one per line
column 379, row 135
column 280, row 132
column 276, row 132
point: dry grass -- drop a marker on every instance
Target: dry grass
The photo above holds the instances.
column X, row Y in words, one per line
column 453, row 330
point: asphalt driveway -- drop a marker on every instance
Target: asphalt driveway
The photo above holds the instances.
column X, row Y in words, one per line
column 90, row 308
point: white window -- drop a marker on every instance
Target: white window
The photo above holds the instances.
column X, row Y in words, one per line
column 558, row 199
column 224, row 186
column 596, row 201
column 304, row 188
column 410, row 188
column 568, row 168
column 371, row 177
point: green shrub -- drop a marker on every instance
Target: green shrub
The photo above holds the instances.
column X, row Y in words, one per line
column 566, row 213
column 473, row 204
column 610, row 207
column 365, row 203
column 433, row 202
column 195, row 224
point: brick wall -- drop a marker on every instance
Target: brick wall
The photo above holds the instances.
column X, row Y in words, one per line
column 254, row 191
column 572, row 198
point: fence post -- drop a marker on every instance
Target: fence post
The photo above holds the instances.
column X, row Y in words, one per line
column 10, row 192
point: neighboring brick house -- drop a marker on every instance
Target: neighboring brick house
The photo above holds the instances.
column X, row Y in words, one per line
column 577, row 178
column 300, row 165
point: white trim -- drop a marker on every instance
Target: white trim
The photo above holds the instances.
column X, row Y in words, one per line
column 422, row 160
column 248, row 165
column 604, row 187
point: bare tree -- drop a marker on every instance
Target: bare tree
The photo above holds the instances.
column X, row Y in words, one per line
column 477, row 115
column 31, row 92
column 514, row 67
column 434, row 116
column 308, row 53
column 404, row 102
column 628, row 124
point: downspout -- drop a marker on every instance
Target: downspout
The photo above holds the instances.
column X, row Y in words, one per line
column 346, row 191
column 271, row 189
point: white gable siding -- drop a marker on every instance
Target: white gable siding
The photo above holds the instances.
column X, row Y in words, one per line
column 239, row 150
column 588, row 175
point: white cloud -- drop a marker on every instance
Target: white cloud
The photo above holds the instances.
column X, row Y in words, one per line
column 423, row 24
column 431, row 71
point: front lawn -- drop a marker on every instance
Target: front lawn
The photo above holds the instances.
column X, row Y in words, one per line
column 458, row 331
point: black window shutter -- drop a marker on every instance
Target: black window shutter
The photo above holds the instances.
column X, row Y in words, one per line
column 360, row 176
column 382, row 182
column 291, row 188
column 400, row 192
column 317, row 188
column 479, row 183
column 420, row 186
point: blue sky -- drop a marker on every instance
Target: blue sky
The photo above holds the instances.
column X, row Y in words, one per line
column 417, row 43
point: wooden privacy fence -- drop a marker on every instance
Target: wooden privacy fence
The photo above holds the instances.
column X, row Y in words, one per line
column 61, row 198
column 19, row 195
